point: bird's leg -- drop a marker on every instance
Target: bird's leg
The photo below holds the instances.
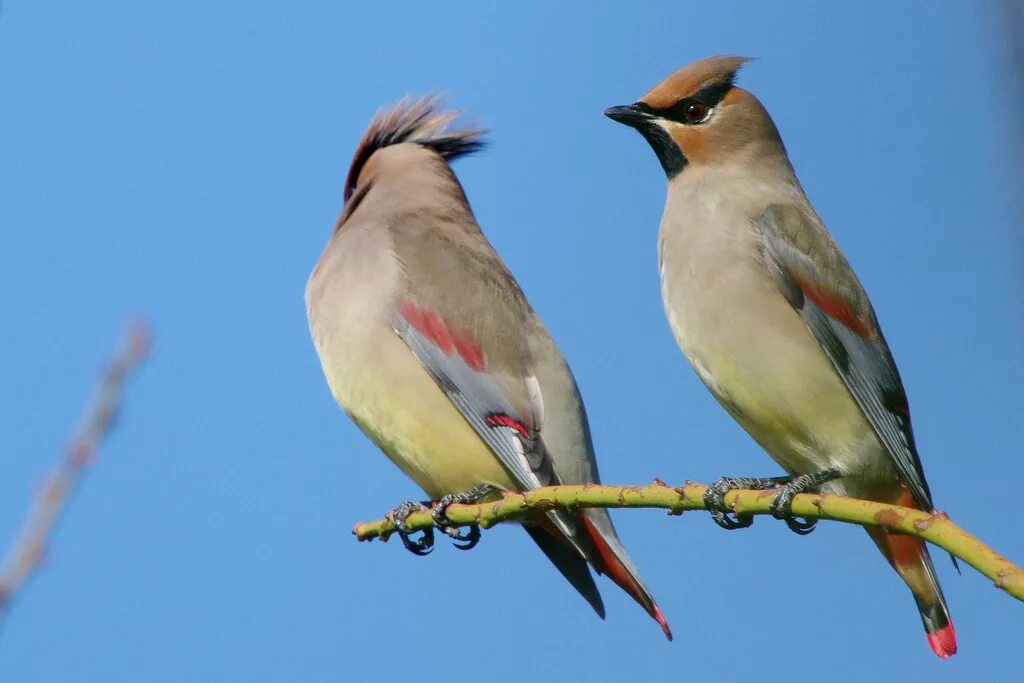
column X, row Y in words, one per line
column 472, row 535
column 425, row 543
column 714, row 498
column 782, row 504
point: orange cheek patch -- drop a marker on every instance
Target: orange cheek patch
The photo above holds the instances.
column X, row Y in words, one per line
column 693, row 142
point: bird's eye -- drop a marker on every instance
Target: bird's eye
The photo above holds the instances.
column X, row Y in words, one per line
column 695, row 112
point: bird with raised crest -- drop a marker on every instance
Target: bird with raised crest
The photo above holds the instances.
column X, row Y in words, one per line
column 428, row 343
column 773, row 319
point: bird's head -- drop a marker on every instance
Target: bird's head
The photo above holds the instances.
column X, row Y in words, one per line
column 699, row 117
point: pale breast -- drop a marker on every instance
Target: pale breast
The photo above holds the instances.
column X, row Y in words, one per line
column 378, row 381
column 748, row 345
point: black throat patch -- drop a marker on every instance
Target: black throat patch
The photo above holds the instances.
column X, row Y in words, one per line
column 672, row 159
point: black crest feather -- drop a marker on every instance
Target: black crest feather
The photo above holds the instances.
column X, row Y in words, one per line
column 419, row 120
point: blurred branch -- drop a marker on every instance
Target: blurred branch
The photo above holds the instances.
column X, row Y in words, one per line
column 935, row 528
column 51, row 500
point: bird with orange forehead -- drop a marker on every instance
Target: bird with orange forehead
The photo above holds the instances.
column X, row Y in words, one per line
column 428, row 343
column 773, row 319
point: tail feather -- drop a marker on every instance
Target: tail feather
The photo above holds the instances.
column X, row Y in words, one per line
column 593, row 540
column 909, row 557
column 569, row 562
column 612, row 561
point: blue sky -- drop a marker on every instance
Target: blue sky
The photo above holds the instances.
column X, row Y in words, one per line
column 185, row 160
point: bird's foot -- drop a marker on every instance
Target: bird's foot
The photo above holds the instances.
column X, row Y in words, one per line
column 714, row 498
column 420, row 546
column 462, row 541
column 781, row 506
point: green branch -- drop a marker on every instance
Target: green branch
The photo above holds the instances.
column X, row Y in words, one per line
column 935, row 528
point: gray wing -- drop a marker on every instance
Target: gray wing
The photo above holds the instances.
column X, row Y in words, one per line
column 817, row 280
column 506, row 378
column 513, row 438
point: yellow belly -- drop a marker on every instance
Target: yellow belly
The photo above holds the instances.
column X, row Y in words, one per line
column 377, row 380
column 396, row 403
column 769, row 373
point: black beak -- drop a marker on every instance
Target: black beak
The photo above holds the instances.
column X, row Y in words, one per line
column 645, row 121
column 630, row 114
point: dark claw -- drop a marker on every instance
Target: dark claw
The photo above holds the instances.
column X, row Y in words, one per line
column 799, row 526
column 461, row 541
column 471, row 538
column 781, row 506
column 728, row 523
column 714, row 501
column 714, row 498
column 420, row 546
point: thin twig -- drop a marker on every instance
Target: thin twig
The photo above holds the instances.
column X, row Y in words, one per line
column 51, row 500
column 932, row 527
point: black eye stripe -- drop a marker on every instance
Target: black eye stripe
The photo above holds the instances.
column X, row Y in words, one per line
column 677, row 112
column 709, row 96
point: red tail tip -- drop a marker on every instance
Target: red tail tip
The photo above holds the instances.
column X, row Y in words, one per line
column 618, row 573
column 943, row 642
column 660, row 618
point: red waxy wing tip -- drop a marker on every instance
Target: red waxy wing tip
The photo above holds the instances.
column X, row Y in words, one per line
column 506, row 421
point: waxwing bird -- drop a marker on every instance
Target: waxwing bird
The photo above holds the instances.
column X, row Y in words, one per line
column 429, row 345
column 773, row 319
